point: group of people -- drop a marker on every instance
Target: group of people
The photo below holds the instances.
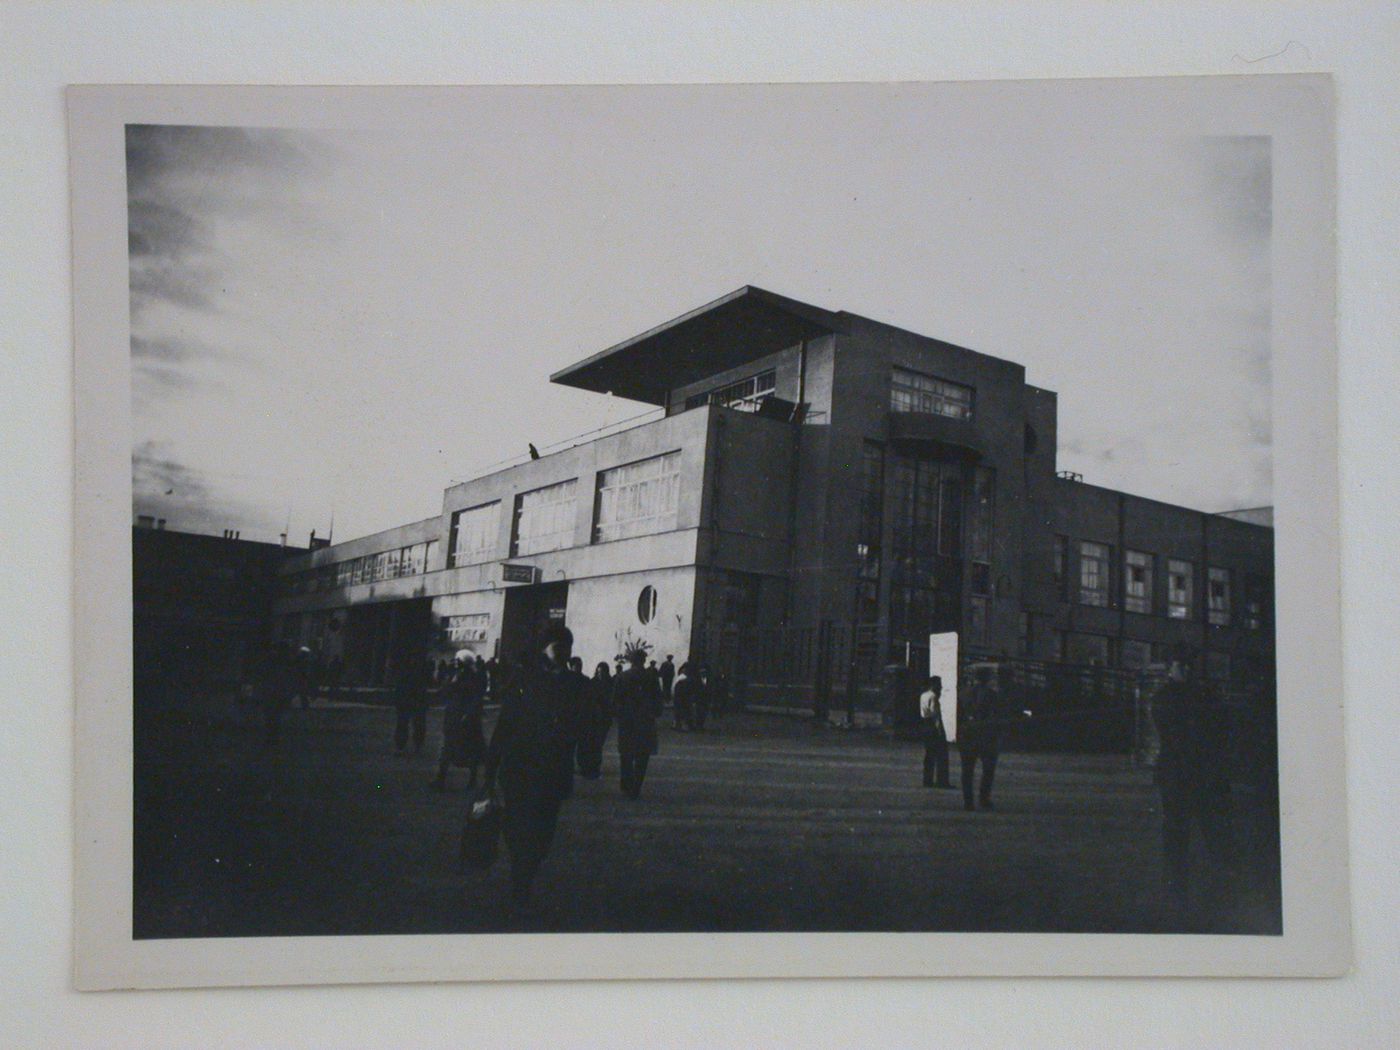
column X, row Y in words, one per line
column 554, row 722
column 979, row 722
column 1191, row 772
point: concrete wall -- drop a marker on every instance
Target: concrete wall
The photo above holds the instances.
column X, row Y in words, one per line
column 602, row 613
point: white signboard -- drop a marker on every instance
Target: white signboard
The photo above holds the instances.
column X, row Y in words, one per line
column 943, row 661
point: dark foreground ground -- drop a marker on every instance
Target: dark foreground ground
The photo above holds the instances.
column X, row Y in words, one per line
column 761, row 823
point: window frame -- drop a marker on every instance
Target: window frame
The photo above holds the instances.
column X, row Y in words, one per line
column 919, row 392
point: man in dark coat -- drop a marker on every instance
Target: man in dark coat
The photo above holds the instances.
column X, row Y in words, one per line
column 463, row 741
column 411, row 701
column 530, row 752
column 1191, row 772
column 637, row 703
column 667, row 671
column 979, row 731
column 596, row 723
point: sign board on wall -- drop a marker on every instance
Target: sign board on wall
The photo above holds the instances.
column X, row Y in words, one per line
column 517, row 573
column 943, row 661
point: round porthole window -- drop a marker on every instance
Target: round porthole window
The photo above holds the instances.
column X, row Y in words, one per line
column 646, row 604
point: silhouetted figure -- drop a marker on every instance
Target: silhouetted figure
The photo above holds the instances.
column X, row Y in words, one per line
column 934, row 734
column 463, row 742
column 276, row 683
column 534, row 452
column 1191, row 773
column 597, row 722
column 699, row 698
column 979, row 731
column 667, row 673
column 682, row 693
column 533, row 741
column 411, row 683
column 637, row 703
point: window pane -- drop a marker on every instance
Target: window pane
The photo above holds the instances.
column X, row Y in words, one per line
column 1179, row 588
column 638, row 498
column 1093, row 574
column 544, row 519
column 915, row 392
column 474, row 534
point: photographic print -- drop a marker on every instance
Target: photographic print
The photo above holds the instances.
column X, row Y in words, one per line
column 765, row 512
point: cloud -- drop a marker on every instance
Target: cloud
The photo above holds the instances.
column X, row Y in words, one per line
column 182, row 180
column 164, row 487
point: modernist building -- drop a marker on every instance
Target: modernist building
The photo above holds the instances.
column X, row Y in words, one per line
column 812, row 470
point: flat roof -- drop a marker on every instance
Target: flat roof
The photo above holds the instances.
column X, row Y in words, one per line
column 742, row 326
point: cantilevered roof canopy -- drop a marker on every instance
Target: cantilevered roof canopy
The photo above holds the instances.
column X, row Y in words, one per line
column 740, row 327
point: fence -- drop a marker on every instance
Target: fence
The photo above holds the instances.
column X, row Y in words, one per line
column 1052, row 706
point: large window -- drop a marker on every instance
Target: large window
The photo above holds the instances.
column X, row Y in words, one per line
column 745, row 394
column 1137, row 581
column 1180, row 585
column 1093, row 573
column 926, row 547
column 638, row 499
column 1086, row 649
column 544, row 519
column 1218, row 596
column 980, row 512
column 916, row 392
column 474, row 532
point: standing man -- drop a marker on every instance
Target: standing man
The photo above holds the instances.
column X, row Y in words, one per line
column 530, row 750
column 935, row 735
column 979, row 730
column 682, row 694
column 1191, row 772
column 637, row 702
column 411, row 700
column 667, row 671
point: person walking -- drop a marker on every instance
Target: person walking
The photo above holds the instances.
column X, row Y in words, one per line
column 411, row 701
column 682, row 695
column 638, row 705
column 534, row 738
column 935, row 735
column 597, row 723
column 979, row 730
column 699, row 697
column 463, row 741
column 667, row 673
column 1191, row 773
column 275, row 685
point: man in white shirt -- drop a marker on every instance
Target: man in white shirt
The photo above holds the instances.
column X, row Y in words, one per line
column 934, row 735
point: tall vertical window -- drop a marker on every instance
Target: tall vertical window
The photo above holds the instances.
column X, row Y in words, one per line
column 1256, row 601
column 978, row 611
column 345, row 573
column 1137, row 581
column 1059, row 567
column 926, row 547
column 744, row 394
column 980, row 513
column 1180, row 585
column 915, row 392
column 872, row 510
column 473, row 536
column 1218, row 596
column 430, row 551
column 1093, row 573
column 638, row 498
column 544, row 519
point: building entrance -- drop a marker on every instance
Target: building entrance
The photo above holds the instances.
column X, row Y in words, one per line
column 528, row 611
column 380, row 637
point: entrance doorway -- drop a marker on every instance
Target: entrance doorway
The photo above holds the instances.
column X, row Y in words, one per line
column 528, row 612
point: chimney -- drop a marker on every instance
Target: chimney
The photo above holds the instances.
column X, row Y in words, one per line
column 160, row 523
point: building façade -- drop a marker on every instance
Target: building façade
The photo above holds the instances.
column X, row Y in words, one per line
column 808, row 470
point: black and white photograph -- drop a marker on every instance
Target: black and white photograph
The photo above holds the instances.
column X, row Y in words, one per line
column 719, row 509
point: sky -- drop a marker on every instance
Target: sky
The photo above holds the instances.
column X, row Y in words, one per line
column 329, row 325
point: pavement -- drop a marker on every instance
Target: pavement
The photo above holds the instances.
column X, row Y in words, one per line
column 764, row 822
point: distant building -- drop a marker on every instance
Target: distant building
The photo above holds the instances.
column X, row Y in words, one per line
column 201, row 607
column 812, row 470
